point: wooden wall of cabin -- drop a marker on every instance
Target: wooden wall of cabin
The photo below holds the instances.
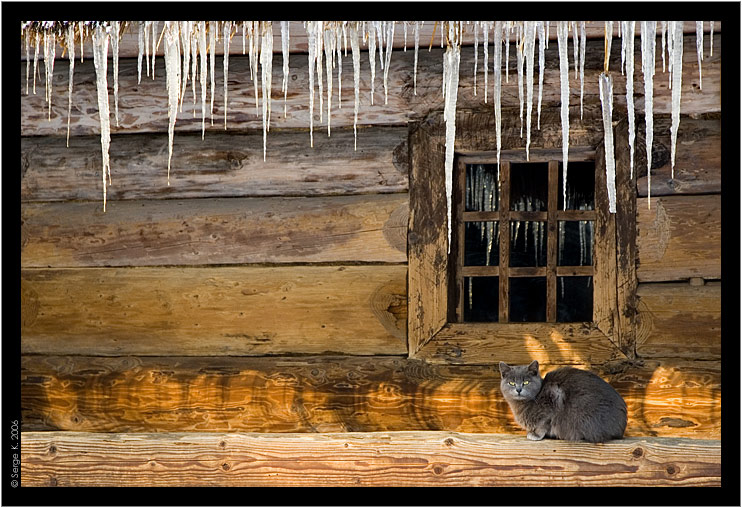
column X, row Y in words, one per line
column 270, row 296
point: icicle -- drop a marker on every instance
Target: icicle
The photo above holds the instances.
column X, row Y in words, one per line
column 266, row 66
column 147, row 31
column 155, row 43
column 81, row 29
column 562, row 35
column 185, row 43
column 606, row 102
column 508, row 28
column 71, row 54
column 519, row 64
column 194, row 62
column 140, row 41
column 339, row 56
column 388, row 55
column 49, row 52
column 204, row 72
column 648, row 36
column 285, row 52
column 451, row 59
column 476, row 54
column 628, row 37
column 497, row 68
column 372, row 60
column 663, row 31
column 699, row 49
column 582, row 64
column 329, row 41
column 711, row 42
column 227, row 36
column 677, row 75
column 485, row 33
column 528, row 47
column 244, row 29
column 35, row 60
column 318, row 37
column 312, row 56
column 213, row 35
column 254, row 53
column 172, row 72
column 576, row 46
column 28, row 54
column 356, row 74
column 541, row 62
column 417, row 43
column 115, row 51
column 607, row 45
column 100, row 60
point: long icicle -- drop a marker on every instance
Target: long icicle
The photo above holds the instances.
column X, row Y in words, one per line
column 628, row 35
column 115, row 51
column 204, row 73
column 648, row 37
column 172, row 73
column 356, row 55
column 266, row 66
column 541, row 62
column 312, row 56
column 562, row 34
column 528, row 48
column 606, row 102
column 699, row 50
column 285, row 44
column 227, row 36
column 213, row 36
column 497, row 85
column 49, row 55
column 100, row 61
column 451, row 60
column 677, row 75
column 71, row 54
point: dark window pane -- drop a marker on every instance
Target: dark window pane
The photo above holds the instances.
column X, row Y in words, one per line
column 527, row 243
column 574, row 299
column 580, row 186
column 527, row 299
column 481, row 299
column 482, row 244
column 529, row 186
column 481, row 188
column 575, row 243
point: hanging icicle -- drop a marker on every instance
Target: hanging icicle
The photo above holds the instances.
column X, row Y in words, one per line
column 266, row 67
column 417, row 43
column 285, row 53
column 204, row 72
column 528, row 48
column 497, row 78
column 648, row 37
column 172, row 73
column 49, row 55
column 562, row 29
column 582, row 64
column 356, row 54
column 100, row 61
column 451, row 59
column 628, row 43
column 606, row 102
column 312, row 56
column 699, row 50
column 677, row 75
column 71, row 53
column 541, row 63
column 213, row 36
column 227, row 36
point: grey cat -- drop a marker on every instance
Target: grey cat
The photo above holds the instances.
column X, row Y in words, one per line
column 568, row 403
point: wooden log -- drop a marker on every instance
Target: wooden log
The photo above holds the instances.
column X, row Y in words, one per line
column 671, row 397
column 679, row 238
column 374, row 459
column 258, row 394
column 679, row 321
column 143, row 106
column 368, row 228
column 223, row 165
column 697, row 158
column 214, row 311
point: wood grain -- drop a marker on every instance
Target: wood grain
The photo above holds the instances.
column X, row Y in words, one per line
column 679, row 238
column 223, row 165
column 680, row 321
column 376, row 459
column 143, row 106
column 216, row 311
column 367, row 228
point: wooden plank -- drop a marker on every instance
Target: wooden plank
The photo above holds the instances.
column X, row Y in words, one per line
column 551, row 242
column 697, row 160
column 375, row 459
column 214, row 311
column 666, row 396
column 679, row 238
column 223, row 165
column 368, row 228
column 143, row 106
column 257, row 394
column 504, row 273
column 680, row 321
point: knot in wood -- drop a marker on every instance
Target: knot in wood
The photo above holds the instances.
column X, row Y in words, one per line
column 638, row 452
column 671, row 469
column 448, row 441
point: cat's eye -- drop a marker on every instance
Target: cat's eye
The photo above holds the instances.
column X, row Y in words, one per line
column 511, row 383
column 525, row 382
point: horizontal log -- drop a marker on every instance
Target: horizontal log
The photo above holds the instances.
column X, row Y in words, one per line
column 143, row 106
column 697, row 158
column 679, row 237
column 215, row 311
column 368, row 228
column 665, row 397
column 678, row 320
column 376, row 459
column 223, row 165
column 129, row 43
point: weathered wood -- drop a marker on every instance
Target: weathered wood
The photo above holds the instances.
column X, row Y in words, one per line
column 697, row 157
column 678, row 397
column 143, row 106
column 375, row 459
column 518, row 343
column 213, row 311
column 679, row 321
column 258, row 394
column 369, row 228
column 222, row 165
column 427, row 240
column 679, row 238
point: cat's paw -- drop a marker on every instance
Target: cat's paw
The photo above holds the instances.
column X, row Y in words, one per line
column 534, row 437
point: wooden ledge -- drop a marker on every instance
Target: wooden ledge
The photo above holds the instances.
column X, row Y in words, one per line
column 372, row 459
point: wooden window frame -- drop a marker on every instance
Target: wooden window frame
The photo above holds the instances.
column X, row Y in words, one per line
column 433, row 333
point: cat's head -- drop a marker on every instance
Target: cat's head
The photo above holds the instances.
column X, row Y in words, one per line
column 520, row 382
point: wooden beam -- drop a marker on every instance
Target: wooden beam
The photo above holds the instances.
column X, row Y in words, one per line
column 365, row 228
column 679, row 238
column 143, row 106
column 223, row 165
column 680, row 321
column 383, row 459
column 215, row 311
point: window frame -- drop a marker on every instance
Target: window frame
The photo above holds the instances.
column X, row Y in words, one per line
column 433, row 333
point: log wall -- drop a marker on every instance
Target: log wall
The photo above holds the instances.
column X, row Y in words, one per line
column 271, row 296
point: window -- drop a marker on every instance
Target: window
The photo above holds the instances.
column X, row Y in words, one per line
column 542, row 271
column 561, row 284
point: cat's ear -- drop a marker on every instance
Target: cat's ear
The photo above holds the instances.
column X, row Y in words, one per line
column 533, row 367
column 504, row 368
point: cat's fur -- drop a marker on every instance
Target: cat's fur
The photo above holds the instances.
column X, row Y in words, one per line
column 568, row 403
